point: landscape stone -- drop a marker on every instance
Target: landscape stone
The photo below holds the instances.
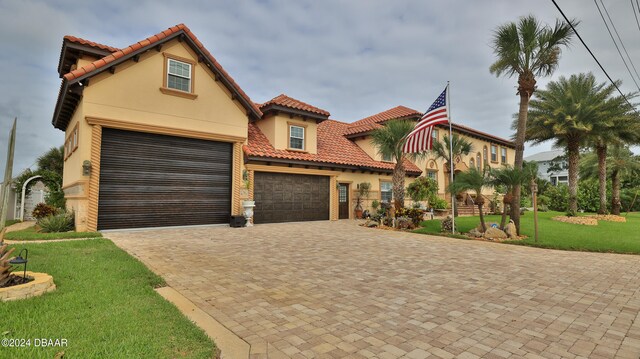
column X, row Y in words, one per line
column 475, row 233
column 494, row 233
column 510, row 230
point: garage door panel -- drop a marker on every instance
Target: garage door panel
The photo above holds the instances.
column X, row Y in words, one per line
column 149, row 180
column 282, row 197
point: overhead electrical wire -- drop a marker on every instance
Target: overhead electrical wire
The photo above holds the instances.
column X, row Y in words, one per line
column 635, row 13
column 592, row 55
column 616, row 44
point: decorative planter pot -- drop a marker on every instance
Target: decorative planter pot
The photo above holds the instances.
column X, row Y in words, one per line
column 248, row 212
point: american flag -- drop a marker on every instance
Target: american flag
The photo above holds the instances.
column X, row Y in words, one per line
column 419, row 139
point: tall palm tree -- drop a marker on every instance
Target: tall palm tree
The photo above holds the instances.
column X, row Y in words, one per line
column 475, row 180
column 389, row 140
column 510, row 177
column 52, row 160
column 620, row 125
column 568, row 112
column 527, row 49
column 446, row 150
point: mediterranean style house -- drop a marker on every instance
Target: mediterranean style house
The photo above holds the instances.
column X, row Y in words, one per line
column 159, row 134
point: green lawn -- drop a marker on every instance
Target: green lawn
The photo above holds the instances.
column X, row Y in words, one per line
column 30, row 233
column 105, row 307
column 605, row 237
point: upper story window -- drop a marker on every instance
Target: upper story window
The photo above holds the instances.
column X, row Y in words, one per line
column 296, row 137
column 178, row 75
column 387, row 157
column 434, row 135
column 485, row 156
column 478, row 160
column 503, row 155
column 472, row 162
column 494, row 153
column 386, row 192
column 71, row 143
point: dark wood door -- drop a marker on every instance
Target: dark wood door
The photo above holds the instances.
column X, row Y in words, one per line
column 283, row 197
column 149, row 180
column 343, row 201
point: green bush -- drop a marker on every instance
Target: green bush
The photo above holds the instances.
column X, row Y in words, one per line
column 588, row 195
column 61, row 222
column 43, row 210
column 558, row 197
column 438, row 203
column 422, row 188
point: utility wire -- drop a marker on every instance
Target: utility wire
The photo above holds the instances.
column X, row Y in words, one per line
column 636, row 13
column 616, row 44
column 594, row 56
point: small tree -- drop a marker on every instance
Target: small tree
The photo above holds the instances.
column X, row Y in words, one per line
column 361, row 194
column 423, row 188
column 475, row 180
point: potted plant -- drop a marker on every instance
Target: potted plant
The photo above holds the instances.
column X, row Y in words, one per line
column 361, row 194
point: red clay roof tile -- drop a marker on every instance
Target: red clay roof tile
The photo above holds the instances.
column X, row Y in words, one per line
column 333, row 148
column 286, row 101
column 78, row 40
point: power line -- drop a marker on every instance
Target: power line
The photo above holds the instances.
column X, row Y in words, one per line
column 615, row 43
column 594, row 56
column 635, row 13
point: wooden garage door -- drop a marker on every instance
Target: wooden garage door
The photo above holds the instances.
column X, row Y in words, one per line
column 284, row 197
column 149, row 180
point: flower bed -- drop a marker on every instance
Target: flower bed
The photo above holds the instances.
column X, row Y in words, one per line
column 586, row 221
column 41, row 283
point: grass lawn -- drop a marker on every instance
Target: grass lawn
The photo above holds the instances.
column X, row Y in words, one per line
column 605, row 237
column 104, row 305
column 30, row 233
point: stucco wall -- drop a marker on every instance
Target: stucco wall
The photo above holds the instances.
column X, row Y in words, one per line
column 276, row 129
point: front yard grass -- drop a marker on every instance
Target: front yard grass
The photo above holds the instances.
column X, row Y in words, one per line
column 30, row 234
column 104, row 305
column 605, row 237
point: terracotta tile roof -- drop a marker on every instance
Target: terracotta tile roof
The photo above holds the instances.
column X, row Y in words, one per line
column 78, row 40
column 286, row 101
column 103, row 62
column 472, row 131
column 333, row 148
column 372, row 122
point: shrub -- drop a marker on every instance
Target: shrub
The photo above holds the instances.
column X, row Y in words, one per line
column 404, row 222
column 438, row 203
column 43, row 210
column 422, row 188
column 375, row 204
column 61, row 222
column 416, row 215
column 558, row 197
column 447, row 225
column 589, row 195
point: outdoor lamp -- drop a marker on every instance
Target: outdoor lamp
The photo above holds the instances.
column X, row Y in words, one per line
column 86, row 168
column 19, row 260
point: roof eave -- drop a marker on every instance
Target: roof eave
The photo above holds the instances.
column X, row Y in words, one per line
column 324, row 164
column 306, row 114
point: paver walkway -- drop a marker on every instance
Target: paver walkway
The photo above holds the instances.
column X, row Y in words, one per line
column 336, row 290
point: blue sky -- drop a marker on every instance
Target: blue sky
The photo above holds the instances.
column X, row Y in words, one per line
column 352, row 58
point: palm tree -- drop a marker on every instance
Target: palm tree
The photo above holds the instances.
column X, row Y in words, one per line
column 527, row 49
column 475, row 180
column 389, row 140
column 568, row 111
column 443, row 150
column 52, row 160
column 620, row 125
column 510, row 177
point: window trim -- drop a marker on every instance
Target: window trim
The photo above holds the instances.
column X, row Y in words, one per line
column 491, row 153
column 71, row 142
column 165, row 76
column 390, row 160
column 304, row 136
column 390, row 190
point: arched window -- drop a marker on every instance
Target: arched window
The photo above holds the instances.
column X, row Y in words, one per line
column 478, row 160
column 472, row 163
column 485, row 155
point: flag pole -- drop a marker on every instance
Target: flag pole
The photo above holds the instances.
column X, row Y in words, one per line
column 453, row 196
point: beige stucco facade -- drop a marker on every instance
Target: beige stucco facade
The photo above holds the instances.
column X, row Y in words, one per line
column 276, row 129
column 132, row 98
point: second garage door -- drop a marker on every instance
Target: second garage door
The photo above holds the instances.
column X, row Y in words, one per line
column 282, row 197
column 149, row 180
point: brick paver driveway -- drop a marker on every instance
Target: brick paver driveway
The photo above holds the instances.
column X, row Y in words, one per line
column 336, row 290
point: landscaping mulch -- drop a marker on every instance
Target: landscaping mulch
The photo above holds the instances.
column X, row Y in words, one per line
column 609, row 218
column 583, row 220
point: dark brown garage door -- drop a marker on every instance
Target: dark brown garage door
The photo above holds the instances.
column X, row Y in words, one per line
column 284, row 197
column 149, row 180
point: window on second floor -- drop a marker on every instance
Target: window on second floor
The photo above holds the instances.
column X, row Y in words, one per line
column 296, row 137
column 433, row 175
column 494, row 153
column 478, row 160
column 434, row 135
column 472, row 163
column 503, row 155
column 485, row 156
column 387, row 157
column 386, row 191
column 178, row 75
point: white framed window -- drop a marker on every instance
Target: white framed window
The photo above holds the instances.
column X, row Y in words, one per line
column 503, row 155
column 434, row 135
column 386, row 192
column 296, row 137
column 387, row 158
column 494, row 153
column 178, row 75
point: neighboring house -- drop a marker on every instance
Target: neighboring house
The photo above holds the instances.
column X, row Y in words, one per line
column 552, row 166
column 36, row 195
column 158, row 134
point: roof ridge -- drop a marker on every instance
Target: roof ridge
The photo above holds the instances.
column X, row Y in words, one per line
column 291, row 102
column 83, row 41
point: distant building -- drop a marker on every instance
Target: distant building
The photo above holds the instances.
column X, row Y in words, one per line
column 37, row 195
column 552, row 166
